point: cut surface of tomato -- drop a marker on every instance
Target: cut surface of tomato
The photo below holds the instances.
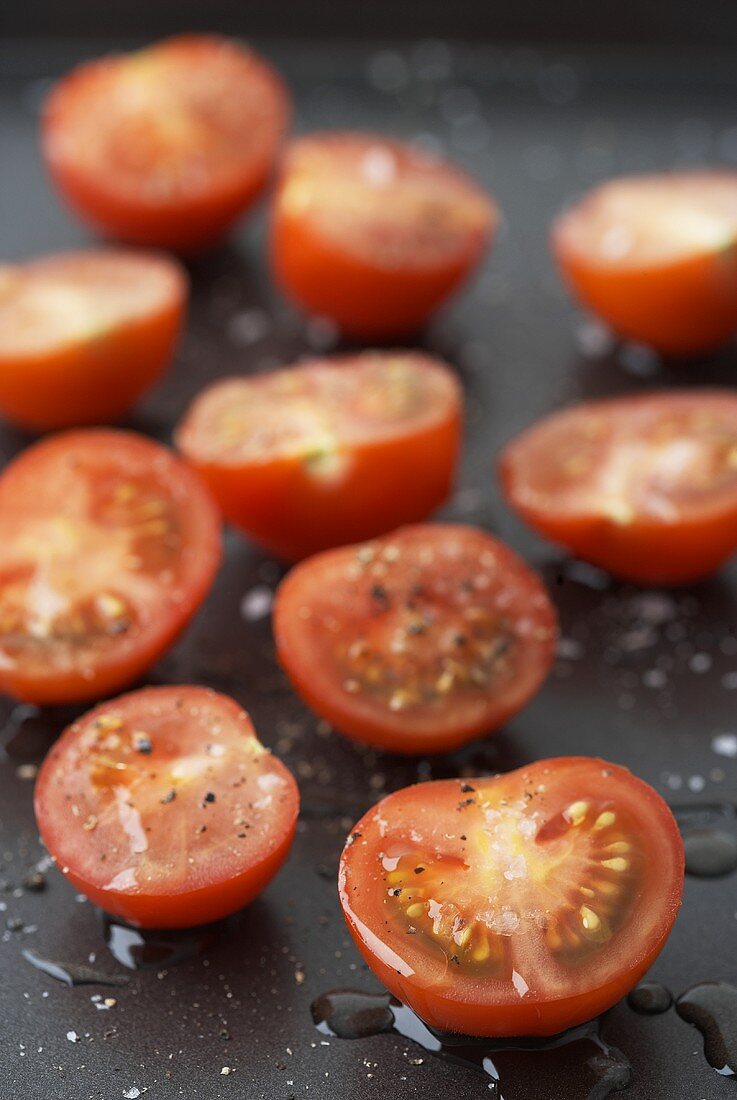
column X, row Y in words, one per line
column 416, row 642
column 372, row 233
column 83, row 334
column 168, row 145
column 656, row 258
column 328, row 452
column 522, row 904
column 110, row 544
column 644, row 486
column 165, row 809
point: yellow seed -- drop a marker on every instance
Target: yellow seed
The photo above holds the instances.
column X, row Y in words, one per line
column 586, row 892
column 618, row 848
column 90, row 824
column 416, row 909
column 605, row 820
column 394, row 877
column 110, row 606
column 109, row 722
column 603, row 887
column 462, row 937
column 576, row 812
column 589, row 919
column 616, row 864
column 481, row 951
column 445, row 681
column 553, row 939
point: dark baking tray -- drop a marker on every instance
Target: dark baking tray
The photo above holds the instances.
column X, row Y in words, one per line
column 643, row 679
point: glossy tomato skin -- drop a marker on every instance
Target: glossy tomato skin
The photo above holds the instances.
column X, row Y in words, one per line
column 682, row 306
column 294, row 504
column 366, row 297
column 43, row 499
column 446, row 996
column 186, row 217
column 378, row 638
column 97, row 378
column 133, row 861
column 635, row 543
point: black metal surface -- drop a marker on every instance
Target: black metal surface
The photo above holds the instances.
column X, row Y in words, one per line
column 644, row 679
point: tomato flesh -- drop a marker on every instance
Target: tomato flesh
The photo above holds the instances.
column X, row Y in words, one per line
column 521, row 904
column 300, row 459
column 168, row 145
column 83, row 334
column 645, row 487
column 110, row 544
column 656, row 257
column 417, row 642
column 372, row 233
column 164, row 808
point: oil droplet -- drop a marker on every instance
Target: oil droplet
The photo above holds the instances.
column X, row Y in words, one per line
column 712, row 1008
column 70, row 973
column 710, row 852
column 592, row 1069
column 143, row 948
column 650, row 999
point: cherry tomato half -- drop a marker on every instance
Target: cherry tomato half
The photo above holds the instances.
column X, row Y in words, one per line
column 419, row 641
column 329, row 452
column 110, row 544
column 656, row 258
column 645, row 486
column 522, row 904
column 374, row 234
column 166, row 146
column 83, row 334
column 164, row 808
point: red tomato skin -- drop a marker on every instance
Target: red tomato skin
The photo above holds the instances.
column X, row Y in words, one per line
column 93, row 381
column 458, row 1015
column 288, row 513
column 186, row 226
column 393, row 734
column 645, row 551
column 106, row 678
column 366, row 301
column 177, row 909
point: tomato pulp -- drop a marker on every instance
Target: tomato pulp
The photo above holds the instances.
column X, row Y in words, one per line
column 521, row 904
column 372, row 233
column 656, row 258
column 644, row 486
column 416, row 642
column 328, row 452
column 110, row 544
column 168, row 145
column 84, row 334
column 165, row 809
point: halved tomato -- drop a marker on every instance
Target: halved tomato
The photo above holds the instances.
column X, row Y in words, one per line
column 164, row 808
column 328, row 452
column 522, row 904
column 372, row 233
column 656, row 258
column 110, row 544
column 83, row 334
column 419, row 641
column 645, row 486
column 168, row 145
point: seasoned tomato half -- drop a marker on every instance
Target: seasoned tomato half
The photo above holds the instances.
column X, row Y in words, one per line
column 110, row 544
column 83, row 334
column 329, row 452
column 522, row 904
column 164, row 808
column 419, row 641
column 656, row 258
column 168, row 145
column 645, row 487
column 373, row 233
